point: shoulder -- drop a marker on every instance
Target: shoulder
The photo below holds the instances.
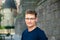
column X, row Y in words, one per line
column 40, row 31
column 42, row 34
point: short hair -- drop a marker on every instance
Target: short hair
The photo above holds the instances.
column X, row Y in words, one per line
column 29, row 11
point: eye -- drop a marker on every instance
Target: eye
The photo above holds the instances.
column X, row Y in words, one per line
column 29, row 18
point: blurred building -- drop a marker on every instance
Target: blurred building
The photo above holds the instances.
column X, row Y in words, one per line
column 9, row 12
column 9, row 9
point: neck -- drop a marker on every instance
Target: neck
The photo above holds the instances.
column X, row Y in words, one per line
column 31, row 28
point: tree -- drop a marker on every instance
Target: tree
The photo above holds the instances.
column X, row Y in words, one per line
column 0, row 20
column 0, row 17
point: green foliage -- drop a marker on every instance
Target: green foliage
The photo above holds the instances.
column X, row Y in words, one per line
column 0, row 17
column 9, row 27
column 2, row 27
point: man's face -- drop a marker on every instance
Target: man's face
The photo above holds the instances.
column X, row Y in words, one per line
column 30, row 20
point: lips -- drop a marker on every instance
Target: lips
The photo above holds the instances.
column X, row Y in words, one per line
column 29, row 23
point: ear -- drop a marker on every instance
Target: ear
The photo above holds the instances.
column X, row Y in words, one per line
column 36, row 19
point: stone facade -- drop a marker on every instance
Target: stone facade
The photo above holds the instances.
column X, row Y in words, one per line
column 49, row 19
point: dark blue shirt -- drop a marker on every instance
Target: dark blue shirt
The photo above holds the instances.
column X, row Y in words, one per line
column 36, row 34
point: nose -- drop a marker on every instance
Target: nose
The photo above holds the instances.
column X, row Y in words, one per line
column 29, row 20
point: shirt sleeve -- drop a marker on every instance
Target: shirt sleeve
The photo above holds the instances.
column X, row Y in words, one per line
column 42, row 36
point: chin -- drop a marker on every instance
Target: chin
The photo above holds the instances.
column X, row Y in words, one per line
column 29, row 26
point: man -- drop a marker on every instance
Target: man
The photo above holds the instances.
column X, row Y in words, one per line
column 32, row 32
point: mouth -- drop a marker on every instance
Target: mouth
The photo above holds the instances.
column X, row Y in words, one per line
column 29, row 23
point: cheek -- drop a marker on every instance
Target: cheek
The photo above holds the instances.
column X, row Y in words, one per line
column 26, row 21
column 33, row 21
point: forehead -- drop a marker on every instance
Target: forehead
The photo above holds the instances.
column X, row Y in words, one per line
column 29, row 15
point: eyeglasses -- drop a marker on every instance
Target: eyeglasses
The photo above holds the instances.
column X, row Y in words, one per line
column 30, row 18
